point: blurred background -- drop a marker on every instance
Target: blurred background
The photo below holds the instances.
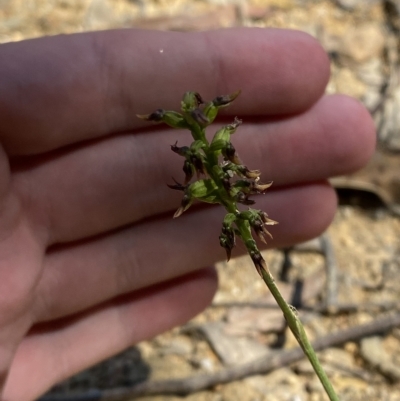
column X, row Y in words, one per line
column 359, row 253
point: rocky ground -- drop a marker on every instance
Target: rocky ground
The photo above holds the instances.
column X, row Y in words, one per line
column 359, row 253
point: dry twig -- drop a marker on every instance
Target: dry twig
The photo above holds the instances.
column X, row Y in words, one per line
column 262, row 366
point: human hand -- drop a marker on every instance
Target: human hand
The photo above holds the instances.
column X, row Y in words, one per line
column 90, row 259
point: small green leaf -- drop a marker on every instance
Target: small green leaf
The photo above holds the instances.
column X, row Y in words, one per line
column 197, row 145
column 174, row 119
column 204, row 190
column 218, row 144
column 211, row 111
column 224, row 133
column 229, row 219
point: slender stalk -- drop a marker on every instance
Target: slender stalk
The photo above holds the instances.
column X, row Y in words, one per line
column 295, row 326
column 298, row 331
column 229, row 182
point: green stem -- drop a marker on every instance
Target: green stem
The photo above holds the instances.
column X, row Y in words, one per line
column 298, row 331
column 291, row 318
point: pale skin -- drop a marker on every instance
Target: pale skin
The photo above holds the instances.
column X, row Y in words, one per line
column 91, row 260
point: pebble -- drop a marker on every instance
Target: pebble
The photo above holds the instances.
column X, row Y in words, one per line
column 249, row 319
column 282, row 384
column 179, row 345
column 371, row 73
column 232, row 350
column 373, row 352
column 362, row 43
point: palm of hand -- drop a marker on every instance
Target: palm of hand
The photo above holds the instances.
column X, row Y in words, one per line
column 90, row 261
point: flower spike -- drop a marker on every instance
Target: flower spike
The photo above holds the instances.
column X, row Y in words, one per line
column 227, row 181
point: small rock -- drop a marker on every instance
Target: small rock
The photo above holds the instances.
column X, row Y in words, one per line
column 373, row 352
column 207, row 364
column 371, row 73
column 179, row 345
column 279, row 385
column 242, row 320
column 362, row 42
column 98, row 14
column 232, row 350
column 338, row 357
column 372, row 99
column 347, row 82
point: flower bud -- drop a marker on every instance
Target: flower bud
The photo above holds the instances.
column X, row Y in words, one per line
column 197, row 162
column 265, row 219
column 227, row 238
column 225, row 100
column 245, row 172
column 199, row 99
column 171, row 118
column 239, row 169
column 191, row 101
column 204, row 190
column 244, row 199
column 222, row 136
column 259, row 188
column 182, row 151
column 194, row 159
column 185, row 204
column 227, row 242
column 188, row 169
column 260, row 230
column 155, row 116
column 211, row 108
column 199, row 117
column 258, row 221
column 229, row 153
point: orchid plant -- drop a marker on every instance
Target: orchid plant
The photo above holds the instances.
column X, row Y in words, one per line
column 214, row 173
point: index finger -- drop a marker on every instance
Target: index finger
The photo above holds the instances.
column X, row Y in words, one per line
column 61, row 90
